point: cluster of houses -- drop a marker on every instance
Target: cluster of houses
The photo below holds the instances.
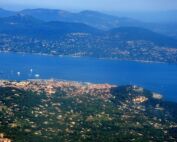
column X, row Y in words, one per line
column 3, row 139
column 69, row 87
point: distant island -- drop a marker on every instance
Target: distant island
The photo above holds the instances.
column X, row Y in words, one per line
column 51, row 110
column 87, row 33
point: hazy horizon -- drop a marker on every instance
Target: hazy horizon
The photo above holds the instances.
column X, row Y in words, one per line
column 100, row 5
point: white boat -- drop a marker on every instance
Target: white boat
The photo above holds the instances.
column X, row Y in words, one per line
column 37, row 75
column 18, row 73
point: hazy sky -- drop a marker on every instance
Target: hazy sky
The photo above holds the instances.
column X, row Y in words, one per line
column 108, row 5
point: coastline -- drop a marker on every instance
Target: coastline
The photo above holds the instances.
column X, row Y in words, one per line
column 52, row 83
column 100, row 58
column 93, row 70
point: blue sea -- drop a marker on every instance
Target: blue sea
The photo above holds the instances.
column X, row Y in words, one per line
column 158, row 77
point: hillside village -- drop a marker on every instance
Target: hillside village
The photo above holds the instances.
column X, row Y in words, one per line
column 53, row 110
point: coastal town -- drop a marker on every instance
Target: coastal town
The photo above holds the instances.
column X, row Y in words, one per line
column 46, row 110
column 69, row 87
column 86, row 45
column 73, row 88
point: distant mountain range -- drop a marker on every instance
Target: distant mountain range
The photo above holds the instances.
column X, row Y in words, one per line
column 91, row 18
column 137, row 33
column 30, row 26
column 95, row 19
column 6, row 13
column 66, row 33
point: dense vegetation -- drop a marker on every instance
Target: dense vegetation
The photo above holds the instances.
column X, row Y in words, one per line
column 26, row 116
